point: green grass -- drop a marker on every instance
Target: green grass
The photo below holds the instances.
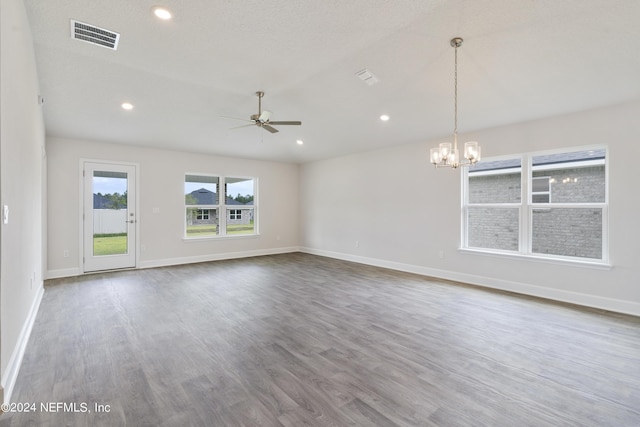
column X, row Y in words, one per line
column 203, row 230
column 240, row 229
column 109, row 244
column 209, row 230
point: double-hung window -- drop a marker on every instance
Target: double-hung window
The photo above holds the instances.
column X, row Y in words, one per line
column 209, row 215
column 549, row 205
column 240, row 206
column 201, row 205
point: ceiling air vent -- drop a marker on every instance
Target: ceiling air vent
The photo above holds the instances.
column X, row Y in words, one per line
column 94, row 35
column 367, row 77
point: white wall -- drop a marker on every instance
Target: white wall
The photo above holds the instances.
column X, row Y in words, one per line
column 21, row 189
column 161, row 185
column 392, row 208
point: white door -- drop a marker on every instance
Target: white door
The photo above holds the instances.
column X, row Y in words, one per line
column 110, row 220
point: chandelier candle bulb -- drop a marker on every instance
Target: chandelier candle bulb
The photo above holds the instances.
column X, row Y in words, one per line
column 445, row 150
column 436, row 157
column 454, row 157
column 471, row 151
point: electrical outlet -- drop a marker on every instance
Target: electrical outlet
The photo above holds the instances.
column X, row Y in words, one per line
column 357, row 243
column 65, row 253
column 441, row 254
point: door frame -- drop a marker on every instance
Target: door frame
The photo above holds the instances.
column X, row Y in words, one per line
column 81, row 210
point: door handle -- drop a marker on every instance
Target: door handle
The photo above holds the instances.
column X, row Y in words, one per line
column 132, row 221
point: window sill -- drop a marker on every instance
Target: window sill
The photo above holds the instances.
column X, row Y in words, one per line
column 600, row 265
column 214, row 238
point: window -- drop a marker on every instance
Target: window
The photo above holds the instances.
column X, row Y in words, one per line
column 202, row 214
column 240, row 205
column 203, row 206
column 540, row 192
column 551, row 205
column 494, row 202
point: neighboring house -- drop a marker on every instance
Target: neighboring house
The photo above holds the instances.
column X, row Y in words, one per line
column 239, row 213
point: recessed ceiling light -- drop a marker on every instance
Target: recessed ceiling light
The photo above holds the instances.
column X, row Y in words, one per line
column 299, row 142
column 162, row 13
column 384, row 117
column 127, row 106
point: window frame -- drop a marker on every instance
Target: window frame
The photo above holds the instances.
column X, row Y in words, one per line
column 527, row 207
column 221, row 207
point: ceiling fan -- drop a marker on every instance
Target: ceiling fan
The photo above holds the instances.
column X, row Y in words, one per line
column 262, row 118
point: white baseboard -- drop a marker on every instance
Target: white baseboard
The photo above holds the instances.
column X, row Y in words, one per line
column 166, row 262
column 215, row 257
column 63, row 272
column 13, row 367
column 587, row 300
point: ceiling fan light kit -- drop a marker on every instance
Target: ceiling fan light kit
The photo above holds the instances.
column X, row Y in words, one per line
column 446, row 154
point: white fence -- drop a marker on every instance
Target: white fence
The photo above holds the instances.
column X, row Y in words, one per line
column 109, row 221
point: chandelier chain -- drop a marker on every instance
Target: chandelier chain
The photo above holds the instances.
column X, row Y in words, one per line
column 455, row 93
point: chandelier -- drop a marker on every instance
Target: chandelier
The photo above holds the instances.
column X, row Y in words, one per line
column 446, row 154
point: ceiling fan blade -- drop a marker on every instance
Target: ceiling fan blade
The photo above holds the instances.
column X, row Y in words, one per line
column 294, row 123
column 243, row 126
column 264, row 117
column 235, row 118
column 269, row 128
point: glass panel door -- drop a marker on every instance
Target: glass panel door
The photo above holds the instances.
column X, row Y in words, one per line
column 109, row 216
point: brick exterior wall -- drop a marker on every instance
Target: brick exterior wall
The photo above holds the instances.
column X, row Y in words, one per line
column 568, row 232
column 493, row 228
column 589, row 187
column 573, row 232
column 503, row 188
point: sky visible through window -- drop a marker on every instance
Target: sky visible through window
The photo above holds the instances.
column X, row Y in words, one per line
column 109, row 185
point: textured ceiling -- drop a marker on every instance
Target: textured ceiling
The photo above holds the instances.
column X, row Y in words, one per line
column 521, row 60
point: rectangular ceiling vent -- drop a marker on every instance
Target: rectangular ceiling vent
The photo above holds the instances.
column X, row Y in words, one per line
column 94, row 35
column 367, row 77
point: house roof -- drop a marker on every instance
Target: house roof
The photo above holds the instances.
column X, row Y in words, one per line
column 520, row 60
column 539, row 160
column 203, row 196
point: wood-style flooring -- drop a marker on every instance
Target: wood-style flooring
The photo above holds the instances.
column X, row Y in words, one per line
column 300, row 340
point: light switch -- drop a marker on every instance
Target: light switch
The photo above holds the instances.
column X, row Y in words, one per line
column 5, row 215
